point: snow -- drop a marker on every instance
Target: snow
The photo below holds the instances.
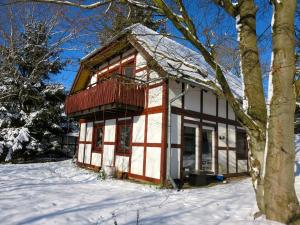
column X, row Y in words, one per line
column 13, row 140
column 178, row 60
column 60, row 193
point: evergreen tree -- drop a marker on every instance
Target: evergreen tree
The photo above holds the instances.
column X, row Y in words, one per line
column 31, row 109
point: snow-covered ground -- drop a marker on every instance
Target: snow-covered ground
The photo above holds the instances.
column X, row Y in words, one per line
column 60, row 193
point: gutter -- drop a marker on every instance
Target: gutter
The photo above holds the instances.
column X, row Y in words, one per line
column 169, row 177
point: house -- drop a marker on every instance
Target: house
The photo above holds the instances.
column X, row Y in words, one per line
column 142, row 91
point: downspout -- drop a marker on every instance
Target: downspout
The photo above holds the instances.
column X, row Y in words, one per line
column 169, row 177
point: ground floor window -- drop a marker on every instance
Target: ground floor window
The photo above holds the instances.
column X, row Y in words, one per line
column 98, row 138
column 124, row 138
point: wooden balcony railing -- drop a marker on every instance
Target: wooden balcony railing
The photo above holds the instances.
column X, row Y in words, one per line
column 110, row 91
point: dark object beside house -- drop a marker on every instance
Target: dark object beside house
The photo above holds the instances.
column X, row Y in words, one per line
column 201, row 178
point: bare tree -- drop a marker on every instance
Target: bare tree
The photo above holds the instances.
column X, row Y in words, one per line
column 269, row 124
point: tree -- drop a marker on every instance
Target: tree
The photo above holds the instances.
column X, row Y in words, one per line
column 117, row 17
column 30, row 107
column 269, row 125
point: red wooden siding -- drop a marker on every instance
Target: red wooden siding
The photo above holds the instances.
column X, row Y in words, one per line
column 114, row 90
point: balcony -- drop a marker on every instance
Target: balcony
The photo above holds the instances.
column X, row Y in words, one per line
column 115, row 93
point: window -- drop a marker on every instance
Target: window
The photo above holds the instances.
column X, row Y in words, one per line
column 124, row 138
column 241, row 145
column 98, row 138
column 128, row 70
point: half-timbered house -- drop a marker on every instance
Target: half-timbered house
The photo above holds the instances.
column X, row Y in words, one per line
column 146, row 107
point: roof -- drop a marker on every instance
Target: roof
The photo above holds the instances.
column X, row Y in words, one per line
column 174, row 58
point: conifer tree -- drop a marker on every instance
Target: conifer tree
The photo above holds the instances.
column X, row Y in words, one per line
column 31, row 109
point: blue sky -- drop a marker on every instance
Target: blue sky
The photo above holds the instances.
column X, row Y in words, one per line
column 66, row 77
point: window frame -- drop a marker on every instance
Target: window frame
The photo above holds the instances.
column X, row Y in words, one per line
column 95, row 147
column 121, row 124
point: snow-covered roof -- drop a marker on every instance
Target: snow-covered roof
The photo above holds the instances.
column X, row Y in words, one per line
column 175, row 58
column 178, row 60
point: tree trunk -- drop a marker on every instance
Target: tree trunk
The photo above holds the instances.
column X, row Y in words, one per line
column 281, row 203
column 254, row 102
column 256, row 146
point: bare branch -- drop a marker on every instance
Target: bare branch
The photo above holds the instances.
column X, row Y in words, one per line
column 68, row 3
column 187, row 19
column 243, row 117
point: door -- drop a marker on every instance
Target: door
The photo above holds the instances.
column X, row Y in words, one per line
column 191, row 148
column 208, row 148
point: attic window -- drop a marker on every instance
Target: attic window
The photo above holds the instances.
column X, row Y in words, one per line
column 128, row 70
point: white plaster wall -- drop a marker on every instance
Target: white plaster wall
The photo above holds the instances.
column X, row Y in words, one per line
column 122, row 163
column 82, row 131
column 242, row 166
column 209, row 103
column 175, row 89
column 154, row 130
column 222, row 132
column 192, row 99
column 175, row 162
column 222, row 108
column 108, row 155
column 231, row 114
column 89, row 131
column 222, row 162
column 142, row 75
column 175, row 129
column 80, row 153
column 153, row 75
column 87, row 153
column 231, row 136
column 140, row 61
column 110, row 130
column 155, row 96
column 153, row 162
column 137, row 159
column 138, row 129
column 96, row 159
column 232, row 161
column 93, row 79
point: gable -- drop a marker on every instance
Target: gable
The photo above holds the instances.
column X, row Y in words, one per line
column 164, row 55
column 88, row 64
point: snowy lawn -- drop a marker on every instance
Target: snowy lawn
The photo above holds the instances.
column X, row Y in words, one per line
column 60, row 193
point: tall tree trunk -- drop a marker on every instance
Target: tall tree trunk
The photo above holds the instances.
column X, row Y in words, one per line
column 254, row 102
column 281, row 203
